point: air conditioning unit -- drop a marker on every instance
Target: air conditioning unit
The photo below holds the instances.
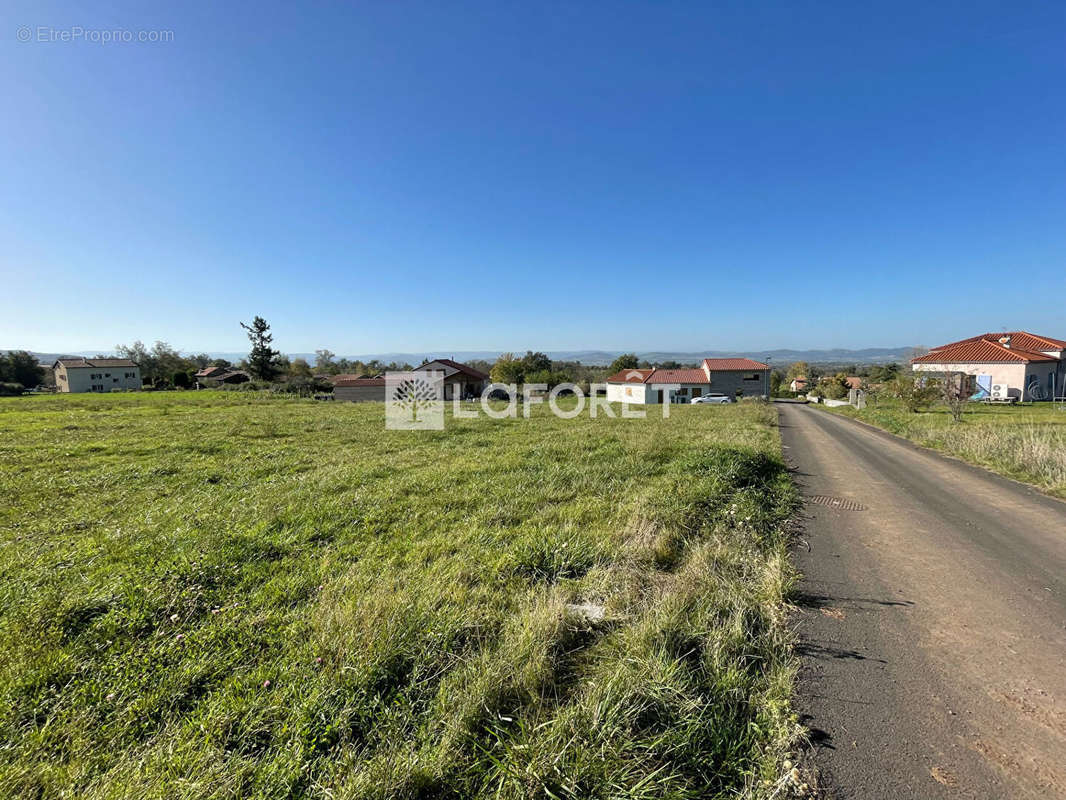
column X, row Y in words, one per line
column 999, row 391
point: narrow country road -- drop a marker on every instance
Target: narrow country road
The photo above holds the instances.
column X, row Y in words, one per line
column 933, row 619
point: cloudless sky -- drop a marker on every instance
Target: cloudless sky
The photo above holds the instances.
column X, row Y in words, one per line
column 386, row 176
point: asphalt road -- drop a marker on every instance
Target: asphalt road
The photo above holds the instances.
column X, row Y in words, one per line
column 932, row 619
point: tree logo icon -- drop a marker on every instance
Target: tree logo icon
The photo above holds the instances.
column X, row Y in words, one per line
column 414, row 400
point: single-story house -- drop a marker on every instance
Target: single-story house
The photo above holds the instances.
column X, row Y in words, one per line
column 213, row 376
column 96, row 374
column 1017, row 364
column 799, row 384
column 729, row 376
column 459, row 380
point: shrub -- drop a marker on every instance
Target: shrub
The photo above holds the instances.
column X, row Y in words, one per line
column 11, row 389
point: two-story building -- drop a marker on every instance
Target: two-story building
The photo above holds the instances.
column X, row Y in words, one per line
column 96, row 374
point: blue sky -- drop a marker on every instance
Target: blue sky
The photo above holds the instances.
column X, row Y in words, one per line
column 461, row 176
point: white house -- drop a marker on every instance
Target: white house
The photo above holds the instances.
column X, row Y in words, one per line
column 1026, row 366
column 729, row 376
column 96, row 374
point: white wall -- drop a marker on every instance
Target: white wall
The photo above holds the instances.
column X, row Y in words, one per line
column 627, row 393
column 1013, row 374
column 80, row 379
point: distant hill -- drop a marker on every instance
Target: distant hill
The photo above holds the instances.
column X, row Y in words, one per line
column 870, row 355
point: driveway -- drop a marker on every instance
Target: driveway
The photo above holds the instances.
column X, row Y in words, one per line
column 932, row 619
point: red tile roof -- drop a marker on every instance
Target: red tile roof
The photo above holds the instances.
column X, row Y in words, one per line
column 733, row 364
column 207, row 372
column 1020, row 340
column 978, row 350
column 630, row 376
column 678, row 376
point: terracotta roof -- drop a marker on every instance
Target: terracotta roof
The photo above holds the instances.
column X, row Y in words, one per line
column 463, row 368
column 678, row 376
column 854, row 382
column 630, row 376
column 1020, row 340
column 75, row 363
column 359, row 382
column 978, row 350
column 207, row 372
column 733, row 364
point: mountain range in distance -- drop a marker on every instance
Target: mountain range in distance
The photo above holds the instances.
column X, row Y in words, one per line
column 781, row 357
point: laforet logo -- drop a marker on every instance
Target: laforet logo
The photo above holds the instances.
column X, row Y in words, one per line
column 414, row 400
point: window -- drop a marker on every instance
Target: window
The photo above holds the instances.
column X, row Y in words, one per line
column 107, row 374
column 755, row 376
column 696, row 391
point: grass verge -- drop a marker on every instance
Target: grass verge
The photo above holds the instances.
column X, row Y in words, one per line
column 222, row 595
column 1027, row 442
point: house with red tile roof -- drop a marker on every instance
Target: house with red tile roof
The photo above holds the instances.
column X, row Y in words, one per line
column 1015, row 365
column 729, row 376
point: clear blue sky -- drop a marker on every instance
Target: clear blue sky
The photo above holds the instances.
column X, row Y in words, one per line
column 455, row 176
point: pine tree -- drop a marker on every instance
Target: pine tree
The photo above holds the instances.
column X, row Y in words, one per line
column 263, row 360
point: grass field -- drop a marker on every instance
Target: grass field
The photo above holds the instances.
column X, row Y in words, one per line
column 230, row 595
column 1025, row 442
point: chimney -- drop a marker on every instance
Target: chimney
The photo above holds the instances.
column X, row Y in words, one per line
column 1005, row 340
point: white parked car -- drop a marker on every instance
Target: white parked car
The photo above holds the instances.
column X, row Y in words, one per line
column 713, row 397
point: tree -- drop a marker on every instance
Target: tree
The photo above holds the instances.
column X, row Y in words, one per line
column 799, row 369
column 324, row 360
column 201, row 360
column 263, row 359
column 624, row 361
column 836, row 387
column 299, row 368
column 777, row 377
column 885, row 373
column 167, row 361
column 955, row 391
column 181, row 379
column 21, row 366
column 507, row 369
column 535, row 362
column 139, row 355
column 913, row 390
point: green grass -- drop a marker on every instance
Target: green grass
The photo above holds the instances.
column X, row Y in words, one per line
column 1024, row 442
column 230, row 595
